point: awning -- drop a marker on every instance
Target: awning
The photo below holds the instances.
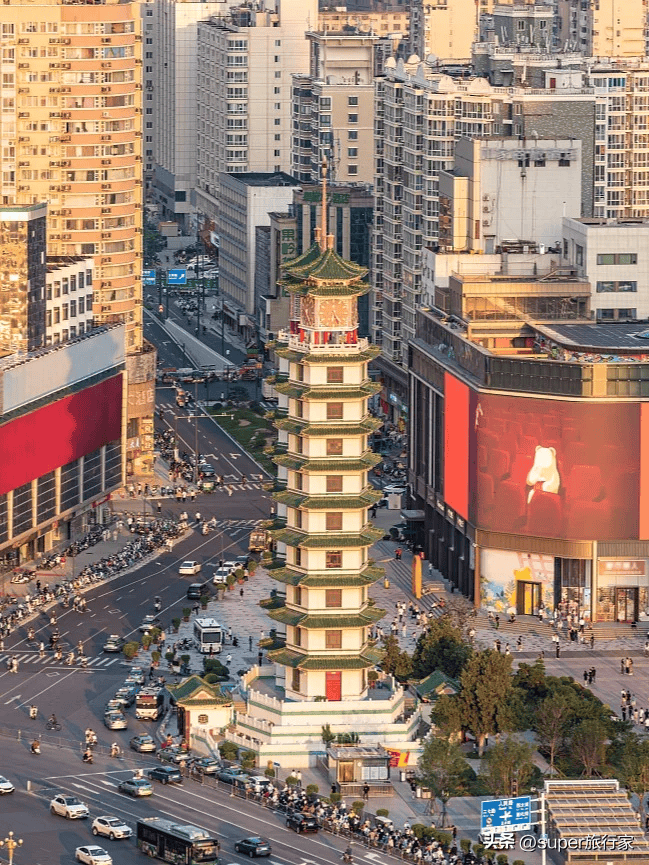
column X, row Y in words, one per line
column 413, row 516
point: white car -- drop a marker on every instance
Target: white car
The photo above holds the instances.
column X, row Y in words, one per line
column 69, row 806
column 189, row 568
column 111, row 827
column 92, row 855
column 399, row 489
column 5, row 786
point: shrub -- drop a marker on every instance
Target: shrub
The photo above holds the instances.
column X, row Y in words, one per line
column 146, row 641
column 212, row 665
column 169, row 656
column 382, row 812
column 311, row 789
column 465, row 845
column 422, row 832
column 228, row 750
column 130, row 650
column 518, row 862
column 291, row 781
column 335, row 797
column 155, row 656
column 230, row 580
column 175, row 623
column 358, row 805
column 211, row 679
column 154, row 633
column 444, row 838
column 204, row 601
column 502, row 859
column 252, row 567
column 248, row 759
column 239, row 575
column 269, row 772
column 185, row 659
column 187, row 611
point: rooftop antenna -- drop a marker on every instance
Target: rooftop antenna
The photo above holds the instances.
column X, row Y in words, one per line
column 323, row 229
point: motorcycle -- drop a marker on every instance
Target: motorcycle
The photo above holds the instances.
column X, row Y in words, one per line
column 36, row 748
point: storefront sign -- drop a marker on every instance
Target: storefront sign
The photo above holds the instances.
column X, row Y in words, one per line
column 622, row 568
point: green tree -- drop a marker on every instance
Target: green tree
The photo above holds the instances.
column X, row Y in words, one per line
column 444, row 771
column 447, row 716
column 551, row 724
column 395, row 662
column 441, row 647
column 485, row 694
column 327, row 736
column 634, row 767
column 588, row 746
column 507, row 767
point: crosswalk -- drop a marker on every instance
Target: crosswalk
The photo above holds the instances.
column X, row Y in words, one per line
column 34, row 658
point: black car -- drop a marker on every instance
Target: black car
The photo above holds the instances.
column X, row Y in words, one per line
column 253, row 847
column 301, row 823
column 166, row 775
column 196, row 591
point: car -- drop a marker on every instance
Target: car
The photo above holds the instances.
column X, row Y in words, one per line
column 395, row 489
column 136, row 675
column 301, row 823
column 206, row 766
column 242, row 561
column 115, row 721
column 111, row 827
column 231, row 774
column 92, row 855
column 166, row 775
column 127, row 693
column 220, row 576
column 207, row 471
column 253, row 846
column 5, row 786
column 114, row 643
column 257, row 783
column 230, row 566
column 69, row 807
column 172, row 755
column 115, row 704
column 135, row 787
column 189, row 568
column 196, row 591
column 142, row 744
column 148, row 622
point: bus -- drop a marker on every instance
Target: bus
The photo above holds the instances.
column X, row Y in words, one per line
column 149, row 704
column 180, row 843
column 208, row 635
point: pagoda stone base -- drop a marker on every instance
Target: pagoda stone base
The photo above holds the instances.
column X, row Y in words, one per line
column 290, row 732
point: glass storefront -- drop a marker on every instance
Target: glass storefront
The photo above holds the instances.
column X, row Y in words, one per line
column 572, row 586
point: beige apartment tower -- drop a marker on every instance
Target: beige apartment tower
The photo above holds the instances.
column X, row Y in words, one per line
column 71, row 130
column 603, row 28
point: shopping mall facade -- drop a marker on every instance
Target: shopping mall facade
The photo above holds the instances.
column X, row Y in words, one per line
column 529, row 462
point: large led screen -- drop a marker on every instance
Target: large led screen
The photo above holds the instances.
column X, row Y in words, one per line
column 557, row 469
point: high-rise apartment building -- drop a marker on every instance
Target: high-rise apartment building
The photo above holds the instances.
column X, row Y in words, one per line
column 444, row 28
column 171, row 102
column 333, row 108
column 71, row 135
column 419, row 116
column 603, row 28
column 245, row 63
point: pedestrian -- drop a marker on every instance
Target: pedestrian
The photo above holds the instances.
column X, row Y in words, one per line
column 184, row 494
column 198, row 517
column 622, row 665
column 507, row 652
column 593, row 675
column 115, row 535
column 519, row 644
column 624, row 713
column 366, row 792
column 557, row 649
column 592, row 640
column 41, row 649
column 193, row 495
column 241, row 592
column 585, row 678
column 629, row 666
column 250, row 644
column 397, row 554
column 260, row 658
column 159, row 507
column 498, row 645
column 229, row 489
column 497, row 621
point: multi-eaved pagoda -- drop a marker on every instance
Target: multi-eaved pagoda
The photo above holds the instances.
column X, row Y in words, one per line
column 319, row 676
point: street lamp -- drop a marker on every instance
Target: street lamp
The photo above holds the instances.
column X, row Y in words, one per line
column 10, row 843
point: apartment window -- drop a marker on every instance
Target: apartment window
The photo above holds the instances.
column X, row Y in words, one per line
column 295, row 681
column 334, row 483
column 352, row 118
column 565, row 248
column 352, row 100
column 278, row 105
column 64, row 312
column 617, row 285
column 352, row 134
column 605, row 314
column 334, row 375
column 299, row 408
column 278, row 137
column 298, row 518
column 277, row 153
column 298, row 480
column 334, row 558
column 297, row 556
column 334, row 447
column 579, row 255
column 276, row 91
column 278, row 43
column 82, row 305
column 278, row 75
column 617, row 258
column 564, row 161
column 73, row 309
column 277, row 121
column 334, row 411
column 334, row 523
column 277, row 58
column 299, row 444
column 333, row 598
column 352, row 169
column 352, row 152
column 297, row 596
column 626, row 313
column 298, row 636
column 333, row 639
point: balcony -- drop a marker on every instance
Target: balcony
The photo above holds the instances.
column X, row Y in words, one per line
column 294, row 342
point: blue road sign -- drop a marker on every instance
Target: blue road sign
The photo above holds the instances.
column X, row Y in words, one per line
column 177, row 277
column 148, row 277
column 506, row 815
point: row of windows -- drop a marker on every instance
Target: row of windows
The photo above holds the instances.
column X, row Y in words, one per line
column 617, row 258
column 613, row 285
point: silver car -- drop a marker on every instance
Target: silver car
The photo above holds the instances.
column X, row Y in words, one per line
column 115, row 721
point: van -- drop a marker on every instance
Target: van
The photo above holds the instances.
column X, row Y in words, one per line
column 195, row 591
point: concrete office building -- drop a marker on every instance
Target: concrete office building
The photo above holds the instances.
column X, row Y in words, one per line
column 245, row 202
column 245, row 63
column 603, row 28
column 333, row 108
column 71, row 135
column 613, row 256
column 173, row 100
column 22, row 277
column 420, row 114
column 504, row 189
column 68, row 298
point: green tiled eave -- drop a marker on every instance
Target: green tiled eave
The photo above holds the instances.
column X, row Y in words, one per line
column 305, row 428
column 297, row 390
column 330, row 540
column 285, row 616
column 301, row 500
column 323, row 265
column 323, row 580
column 289, row 658
column 325, row 289
column 334, row 464
column 295, row 356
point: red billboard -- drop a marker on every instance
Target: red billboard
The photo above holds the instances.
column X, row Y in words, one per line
column 559, row 469
column 56, row 434
column 456, row 445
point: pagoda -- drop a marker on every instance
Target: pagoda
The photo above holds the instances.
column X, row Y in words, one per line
column 327, row 533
